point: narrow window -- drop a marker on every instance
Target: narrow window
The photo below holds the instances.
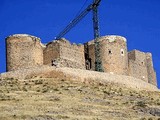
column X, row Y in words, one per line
column 122, row 52
column 52, row 62
column 109, row 52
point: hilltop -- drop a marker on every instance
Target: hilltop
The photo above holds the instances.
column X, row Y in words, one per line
column 53, row 94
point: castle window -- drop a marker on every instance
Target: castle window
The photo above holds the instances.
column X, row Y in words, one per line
column 109, row 52
column 122, row 52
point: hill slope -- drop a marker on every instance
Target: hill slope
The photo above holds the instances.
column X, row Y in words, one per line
column 61, row 99
column 79, row 75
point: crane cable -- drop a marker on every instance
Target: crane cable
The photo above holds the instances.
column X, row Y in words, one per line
column 81, row 8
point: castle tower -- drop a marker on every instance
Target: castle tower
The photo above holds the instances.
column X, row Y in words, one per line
column 138, row 65
column 151, row 72
column 23, row 51
column 113, row 54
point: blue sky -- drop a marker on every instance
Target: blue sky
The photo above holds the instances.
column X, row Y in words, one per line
column 137, row 20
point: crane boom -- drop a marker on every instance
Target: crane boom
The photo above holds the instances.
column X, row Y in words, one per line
column 77, row 19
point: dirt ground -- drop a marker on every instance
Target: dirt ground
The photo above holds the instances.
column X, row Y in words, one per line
column 59, row 99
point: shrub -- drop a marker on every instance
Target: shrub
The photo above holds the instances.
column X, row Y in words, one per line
column 44, row 90
column 38, row 90
column 24, row 89
column 141, row 104
column 10, row 78
column 56, row 89
column 37, row 82
column 107, row 92
column 158, row 103
column 143, row 119
column 62, row 117
column 150, row 119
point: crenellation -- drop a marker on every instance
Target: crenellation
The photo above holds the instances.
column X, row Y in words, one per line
column 26, row 51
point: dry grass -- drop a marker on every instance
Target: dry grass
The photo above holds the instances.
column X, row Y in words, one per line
column 51, row 99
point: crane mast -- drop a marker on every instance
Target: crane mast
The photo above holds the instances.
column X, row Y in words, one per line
column 94, row 8
column 98, row 63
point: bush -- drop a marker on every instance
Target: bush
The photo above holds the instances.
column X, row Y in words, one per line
column 158, row 103
column 150, row 119
column 24, row 89
column 62, row 117
column 56, row 89
column 143, row 119
column 107, row 92
column 10, row 78
column 44, row 90
column 141, row 104
column 37, row 82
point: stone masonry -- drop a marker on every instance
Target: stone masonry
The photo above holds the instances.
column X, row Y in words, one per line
column 23, row 51
column 141, row 66
column 150, row 70
column 138, row 65
column 113, row 52
column 64, row 54
column 26, row 51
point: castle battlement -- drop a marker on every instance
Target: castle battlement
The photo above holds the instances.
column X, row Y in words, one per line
column 110, row 38
column 26, row 51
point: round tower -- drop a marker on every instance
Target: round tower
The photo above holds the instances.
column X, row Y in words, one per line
column 23, row 51
column 113, row 54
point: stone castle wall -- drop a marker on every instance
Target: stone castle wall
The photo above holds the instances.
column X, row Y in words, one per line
column 72, row 54
column 51, row 52
column 26, row 51
column 137, row 65
column 113, row 54
column 65, row 54
column 23, row 51
column 150, row 69
column 141, row 66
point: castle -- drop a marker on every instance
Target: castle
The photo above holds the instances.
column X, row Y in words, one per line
column 26, row 51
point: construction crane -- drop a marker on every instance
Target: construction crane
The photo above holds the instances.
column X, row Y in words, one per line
column 92, row 7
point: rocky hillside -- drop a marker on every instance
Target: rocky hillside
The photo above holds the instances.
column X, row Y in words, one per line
column 61, row 99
